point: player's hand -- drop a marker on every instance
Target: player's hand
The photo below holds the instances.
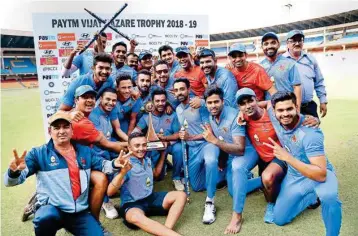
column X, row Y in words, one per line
column 278, row 151
column 127, row 166
column 122, row 158
column 311, row 121
column 208, row 135
column 79, row 48
column 183, row 135
column 76, row 115
column 240, row 119
column 18, row 163
column 195, row 102
column 100, row 46
column 323, row 109
column 229, row 66
column 135, row 94
column 133, row 44
column 161, row 136
column 169, row 110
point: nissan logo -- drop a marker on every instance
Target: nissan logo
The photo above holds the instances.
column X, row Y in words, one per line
column 66, row 44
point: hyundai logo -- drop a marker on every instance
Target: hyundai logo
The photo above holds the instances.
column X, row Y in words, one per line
column 66, row 44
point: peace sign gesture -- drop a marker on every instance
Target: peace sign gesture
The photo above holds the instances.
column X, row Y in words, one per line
column 122, row 159
column 208, row 134
column 278, row 151
column 18, row 163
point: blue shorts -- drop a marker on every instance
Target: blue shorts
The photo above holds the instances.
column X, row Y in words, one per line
column 263, row 165
column 151, row 206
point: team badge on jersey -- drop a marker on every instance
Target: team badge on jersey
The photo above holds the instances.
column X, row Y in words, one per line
column 53, row 161
column 147, row 182
column 294, row 139
column 225, row 129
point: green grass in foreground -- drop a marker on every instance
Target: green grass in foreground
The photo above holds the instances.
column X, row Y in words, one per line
column 22, row 128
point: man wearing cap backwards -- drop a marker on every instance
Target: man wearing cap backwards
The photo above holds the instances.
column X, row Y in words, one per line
column 119, row 51
column 225, row 133
column 311, row 76
column 193, row 73
column 63, row 168
column 167, row 128
column 218, row 76
column 281, row 70
column 310, row 174
column 166, row 53
column 249, row 74
column 84, row 61
column 203, row 156
column 138, row 200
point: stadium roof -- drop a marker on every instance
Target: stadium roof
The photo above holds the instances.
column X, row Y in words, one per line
column 337, row 19
column 16, row 39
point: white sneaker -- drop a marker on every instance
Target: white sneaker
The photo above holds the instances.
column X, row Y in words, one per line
column 209, row 213
column 109, row 211
column 178, row 185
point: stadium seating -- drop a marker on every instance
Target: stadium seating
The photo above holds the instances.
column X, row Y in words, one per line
column 20, row 65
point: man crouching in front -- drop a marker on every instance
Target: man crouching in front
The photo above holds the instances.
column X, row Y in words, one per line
column 138, row 200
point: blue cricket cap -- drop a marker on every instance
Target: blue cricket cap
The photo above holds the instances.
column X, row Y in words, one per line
column 182, row 50
column 237, row 47
column 243, row 93
column 269, row 35
column 84, row 89
column 143, row 54
column 293, row 33
column 206, row 52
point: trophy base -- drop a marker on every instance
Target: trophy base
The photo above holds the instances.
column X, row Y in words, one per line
column 158, row 145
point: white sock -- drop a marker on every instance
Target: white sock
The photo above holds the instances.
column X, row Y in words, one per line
column 210, row 200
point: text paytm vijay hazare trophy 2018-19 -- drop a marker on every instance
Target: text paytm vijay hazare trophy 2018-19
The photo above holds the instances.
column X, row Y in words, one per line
column 56, row 35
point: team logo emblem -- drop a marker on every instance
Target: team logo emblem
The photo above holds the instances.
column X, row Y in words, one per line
column 147, row 182
column 53, row 159
column 167, row 121
column 83, row 161
column 282, row 67
column 294, row 139
column 225, row 129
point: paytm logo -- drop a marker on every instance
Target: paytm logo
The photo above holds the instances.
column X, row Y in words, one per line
column 47, row 37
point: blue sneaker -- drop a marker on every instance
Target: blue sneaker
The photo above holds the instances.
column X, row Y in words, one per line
column 268, row 218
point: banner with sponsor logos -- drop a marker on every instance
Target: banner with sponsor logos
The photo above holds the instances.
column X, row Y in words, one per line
column 56, row 35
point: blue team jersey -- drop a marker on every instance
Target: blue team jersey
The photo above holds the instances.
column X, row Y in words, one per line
column 283, row 72
column 302, row 142
column 311, row 77
column 69, row 97
column 102, row 122
column 225, row 80
column 173, row 101
column 84, row 62
column 122, row 112
column 195, row 118
column 124, row 70
column 174, row 69
column 227, row 127
column 169, row 123
column 138, row 182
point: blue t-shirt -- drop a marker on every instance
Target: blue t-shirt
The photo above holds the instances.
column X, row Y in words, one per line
column 195, row 118
column 124, row 70
column 302, row 142
column 174, row 69
column 311, row 77
column 227, row 127
column 284, row 72
column 122, row 112
column 69, row 97
column 169, row 123
column 225, row 80
column 102, row 122
column 84, row 62
column 138, row 182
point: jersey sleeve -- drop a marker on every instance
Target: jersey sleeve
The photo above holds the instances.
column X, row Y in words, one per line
column 78, row 61
column 313, row 143
column 175, row 125
column 263, row 80
column 294, row 76
column 143, row 122
column 137, row 105
column 238, row 130
column 230, row 88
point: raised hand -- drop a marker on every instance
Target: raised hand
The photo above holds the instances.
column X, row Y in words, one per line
column 240, row 119
column 79, row 48
column 18, row 163
column 278, row 151
column 195, row 102
column 208, row 134
column 76, row 115
column 122, row 158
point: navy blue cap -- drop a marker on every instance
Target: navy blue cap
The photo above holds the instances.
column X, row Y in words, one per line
column 293, row 33
column 237, row 47
column 243, row 93
column 270, row 35
column 143, row 54
column 84, row 89
column 182, row 50
column 205, row 52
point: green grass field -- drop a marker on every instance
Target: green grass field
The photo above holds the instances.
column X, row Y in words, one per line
column 22, row 128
